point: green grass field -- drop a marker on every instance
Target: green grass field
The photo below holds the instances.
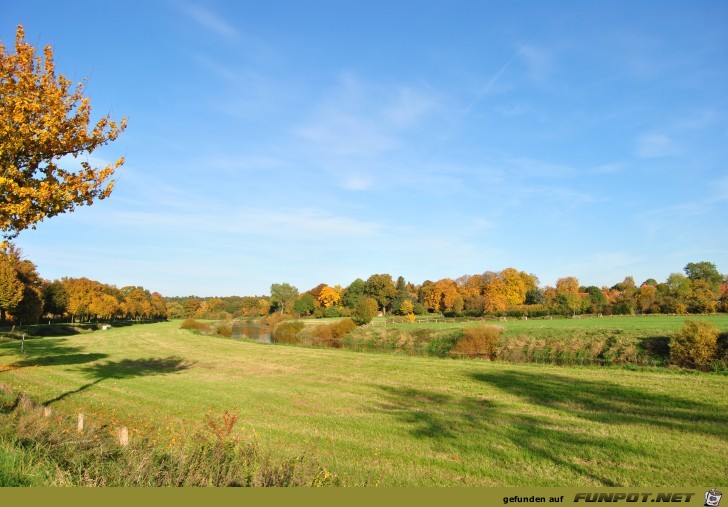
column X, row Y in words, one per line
column 388, row 419
column 653, row 324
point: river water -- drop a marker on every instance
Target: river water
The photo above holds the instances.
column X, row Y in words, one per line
column 244, row 329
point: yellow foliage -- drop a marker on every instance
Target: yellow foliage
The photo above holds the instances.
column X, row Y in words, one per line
column 442, row 295
column 406, row 308
column 471, row 286
column 42, row 120
column 11, row 288
column 328, row 297
column 515, row 287
column 494, row 292
column 568, row 285
column 695, row 345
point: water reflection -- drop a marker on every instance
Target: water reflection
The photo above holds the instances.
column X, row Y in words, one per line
column 245, row 329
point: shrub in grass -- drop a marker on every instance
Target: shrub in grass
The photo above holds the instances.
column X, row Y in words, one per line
column 343, row 327
column 478, row 342
column 214, row 455
column 322, row 335
column 332, row 311
column 721, row 363
column 442, row 343
column 188, row 324
column 331, row 335
column 224, row 328
column 275, row 318
column 694, row 346
column 286, row 331
column 364, row 311
column 195, row 325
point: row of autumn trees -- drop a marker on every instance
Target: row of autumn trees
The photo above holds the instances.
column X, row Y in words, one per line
column 25, row 297
column 701, row 289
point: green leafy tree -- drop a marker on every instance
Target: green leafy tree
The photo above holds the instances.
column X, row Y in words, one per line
column 353, row 293
column 382, row 289
column 534, row 297
column 305, row 305
column 401, row 296
column 283, row 295
column 55, row 299
column 597, row 299
column 680, row 287
column 458, row 305
column 364, row 311
column 570, row 302
column 706, row 271
column 175, row 310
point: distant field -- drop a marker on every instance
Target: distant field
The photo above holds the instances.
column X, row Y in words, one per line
column 638, row 341
column 639, row 324
column 381, row 419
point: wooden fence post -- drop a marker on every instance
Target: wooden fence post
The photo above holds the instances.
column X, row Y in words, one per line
column 46, row 411
column 123, row 436
column 80, row 422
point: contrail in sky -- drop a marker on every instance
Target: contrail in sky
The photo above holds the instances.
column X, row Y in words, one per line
column 489, row 85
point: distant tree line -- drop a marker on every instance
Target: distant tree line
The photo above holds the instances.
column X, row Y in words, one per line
column 510, row 292
column 25, row 297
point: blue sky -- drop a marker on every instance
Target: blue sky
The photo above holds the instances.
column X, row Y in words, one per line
column 310, row 142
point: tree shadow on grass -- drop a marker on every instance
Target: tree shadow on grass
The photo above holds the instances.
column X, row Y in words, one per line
column 479, row 429
column 431, row 414
column 126, row 369
column 609, row 403
column 47, row 352
column 482, row 431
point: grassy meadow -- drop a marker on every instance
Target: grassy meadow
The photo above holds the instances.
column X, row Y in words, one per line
column 394, row 419
column 619, row 340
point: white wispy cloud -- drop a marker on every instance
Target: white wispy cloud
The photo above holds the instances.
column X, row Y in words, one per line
column 223, row 71
column 489, row 84
column 209, row 20
column 208, row 217
column 539, row 61
column 346, row 133
column 357, row 124
column 513, row 109
column 656, row 145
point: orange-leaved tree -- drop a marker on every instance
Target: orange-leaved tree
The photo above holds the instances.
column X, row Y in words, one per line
column 43, row 119
column 328, row 297
column 11, row 288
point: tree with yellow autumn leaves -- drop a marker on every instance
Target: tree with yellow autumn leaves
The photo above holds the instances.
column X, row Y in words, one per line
column 42, row 120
